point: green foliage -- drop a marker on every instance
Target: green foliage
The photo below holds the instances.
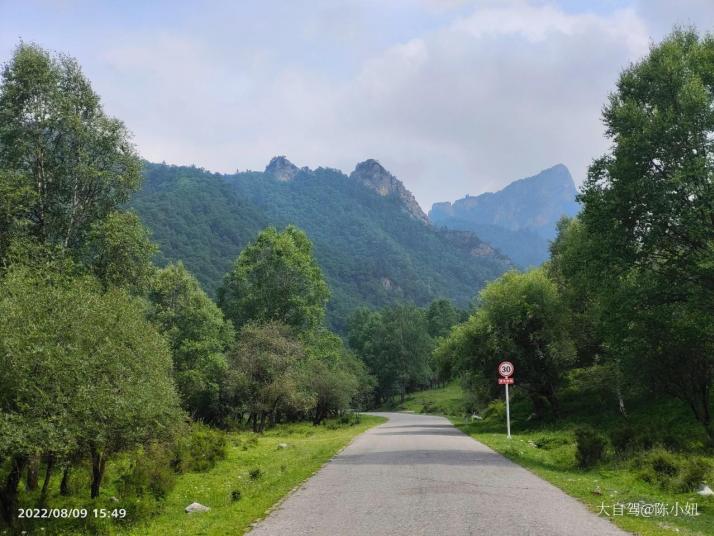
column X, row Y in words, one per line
column 83, row 371
column 118, row 251
column 69, row 165
column 371, row 252
column 262, row 376
column 199, row 450
column 150, row 473
column 522, row 318
column 646, row 234
column 199, row 336
column 589, row 447
column 276, row 279
column 256, row 473
column 441, row 316
column 395, row 345
column 331, row 375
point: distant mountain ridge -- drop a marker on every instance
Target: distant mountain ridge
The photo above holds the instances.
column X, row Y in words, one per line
column 518, row 220
column 372, row 240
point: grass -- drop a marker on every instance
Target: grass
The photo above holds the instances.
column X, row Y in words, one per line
column 259, row 470
column 447, row 400
column 548, row 450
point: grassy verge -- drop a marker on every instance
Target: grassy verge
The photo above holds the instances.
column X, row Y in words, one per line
column 548, row 450
column 259, row 469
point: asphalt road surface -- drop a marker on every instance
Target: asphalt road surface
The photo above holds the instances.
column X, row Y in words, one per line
column 417, row 474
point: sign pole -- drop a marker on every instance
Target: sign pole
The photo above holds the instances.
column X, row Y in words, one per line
column 505, row 370
column 508, row 414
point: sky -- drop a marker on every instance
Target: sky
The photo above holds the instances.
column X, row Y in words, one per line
column 454, row 97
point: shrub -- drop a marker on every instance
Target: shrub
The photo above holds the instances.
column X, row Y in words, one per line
column 430, row 407
column 693, row 473
column 590, row 447
column 235, row 495
column 256, row 473
column 658, row 466
column 150, row 472
column 349, row 419
column 496, row 409
column 624, row 440
column 200, row 449
column 550, row 442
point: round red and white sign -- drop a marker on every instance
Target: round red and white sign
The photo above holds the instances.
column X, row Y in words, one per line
column 505, row 369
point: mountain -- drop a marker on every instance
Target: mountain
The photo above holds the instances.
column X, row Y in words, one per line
column 372, row 240
column 518, row 220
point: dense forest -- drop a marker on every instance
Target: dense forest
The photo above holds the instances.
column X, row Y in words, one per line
column 372, row 251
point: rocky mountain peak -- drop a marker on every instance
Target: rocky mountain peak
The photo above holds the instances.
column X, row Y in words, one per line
column 374, row 176
column 281, row 168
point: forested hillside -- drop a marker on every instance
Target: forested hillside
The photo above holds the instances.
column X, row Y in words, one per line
column 369, row 240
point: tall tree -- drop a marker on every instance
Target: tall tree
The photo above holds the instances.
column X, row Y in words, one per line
column 119, row 252
column 263, row 377
column 442, row 316
column 57, row 143
column 649, row 214
column 276, row 279
column 199, row 336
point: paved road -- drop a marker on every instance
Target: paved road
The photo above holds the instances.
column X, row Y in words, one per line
column 417, row 474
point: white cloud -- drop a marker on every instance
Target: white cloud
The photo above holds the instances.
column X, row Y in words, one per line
column 453, row 97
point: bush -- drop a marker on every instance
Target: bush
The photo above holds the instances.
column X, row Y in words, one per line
column 658, row 466
column 349, row 419
column 624, row 440
column 550, row 442
column 590, row 447
column 430, row 407
column 692, row 474
column 200, row 449
column 496, row 409
column 256, row 473
column 235, row 495
column 150, row 472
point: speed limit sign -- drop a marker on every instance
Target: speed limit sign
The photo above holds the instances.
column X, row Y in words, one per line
column 505, row 369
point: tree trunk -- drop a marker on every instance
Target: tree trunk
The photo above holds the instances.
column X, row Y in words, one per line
column 64, row 484
column 98, row 462
column 8, row 494
column 261, row 426
column 48, row 475
column 33, row 473
column 254, row 420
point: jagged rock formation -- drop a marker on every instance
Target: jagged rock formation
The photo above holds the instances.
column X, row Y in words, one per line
column 368, row 233
column 372, row 174
column 520, row 219
column 281, row 168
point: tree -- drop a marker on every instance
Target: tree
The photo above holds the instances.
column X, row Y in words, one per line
column 331, row 374
column 521, row 318
column 276, row 279
column 395, row 345
column 199, row 336
column 118, row 251
column 648, row 210
column 83, row 371
column 442, row 316
column 262, row 377
column 71, row 164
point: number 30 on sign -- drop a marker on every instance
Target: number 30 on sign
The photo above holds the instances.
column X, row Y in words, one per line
column 505, row 369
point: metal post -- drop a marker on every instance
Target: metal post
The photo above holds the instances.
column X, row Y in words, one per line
column 508, row 414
